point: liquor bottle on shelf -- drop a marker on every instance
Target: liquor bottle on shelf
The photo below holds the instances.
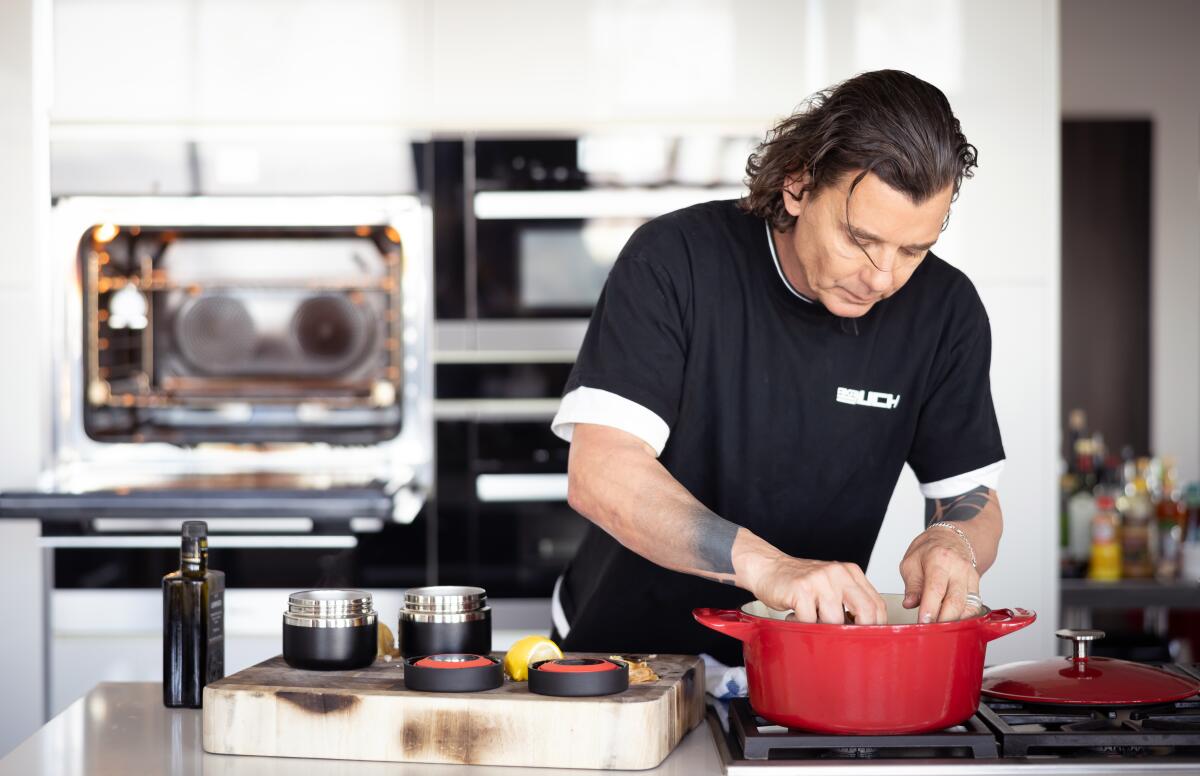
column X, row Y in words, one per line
column 1105, row 563
column 1076, row 433
column 1138, row 526
column 1109, row 477
column 1081, row 507
column 193, row 622
column 1172, row 515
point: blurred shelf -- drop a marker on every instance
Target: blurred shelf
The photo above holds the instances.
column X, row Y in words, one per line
column 1129, row 594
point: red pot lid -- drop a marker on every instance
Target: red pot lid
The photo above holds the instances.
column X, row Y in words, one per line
column 1082, row 679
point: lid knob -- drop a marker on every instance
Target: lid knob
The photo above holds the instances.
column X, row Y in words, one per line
column 1079, row 640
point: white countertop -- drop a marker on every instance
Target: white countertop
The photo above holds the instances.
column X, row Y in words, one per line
column 122, row 729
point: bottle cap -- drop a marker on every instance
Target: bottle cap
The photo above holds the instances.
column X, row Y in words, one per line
column 195, row 528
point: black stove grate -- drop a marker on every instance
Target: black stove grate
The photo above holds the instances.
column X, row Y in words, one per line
column 1035, row 730
column 759, row 739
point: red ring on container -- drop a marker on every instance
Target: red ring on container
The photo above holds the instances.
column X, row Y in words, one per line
column 477, row 673
column 577, row 665
column 578, row 677
column 467, row 661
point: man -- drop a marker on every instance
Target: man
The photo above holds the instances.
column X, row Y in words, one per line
column 756, row 374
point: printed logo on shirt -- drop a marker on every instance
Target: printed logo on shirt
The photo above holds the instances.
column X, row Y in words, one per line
column 864, row 398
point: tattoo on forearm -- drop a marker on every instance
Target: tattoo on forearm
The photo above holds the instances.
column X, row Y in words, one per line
column 958, row 508
column 711, row 544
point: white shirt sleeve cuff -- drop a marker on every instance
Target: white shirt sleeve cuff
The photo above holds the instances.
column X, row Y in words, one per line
column 605, row 408
column 988, row 476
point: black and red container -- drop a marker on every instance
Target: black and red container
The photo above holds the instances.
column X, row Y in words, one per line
column 457, row 672
column 578, row 677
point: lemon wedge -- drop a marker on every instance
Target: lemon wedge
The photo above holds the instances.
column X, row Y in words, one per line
column 527, row 651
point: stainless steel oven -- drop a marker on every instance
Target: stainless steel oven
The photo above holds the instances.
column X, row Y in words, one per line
column 543, row 219
column 238, row 356
column 527, row 229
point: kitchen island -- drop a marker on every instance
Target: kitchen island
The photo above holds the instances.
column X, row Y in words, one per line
column 122, row 728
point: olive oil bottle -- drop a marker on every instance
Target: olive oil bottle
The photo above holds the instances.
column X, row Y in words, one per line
column 193, row 622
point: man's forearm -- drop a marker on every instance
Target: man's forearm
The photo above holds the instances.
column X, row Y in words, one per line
column 620, row 486
column 977, row 514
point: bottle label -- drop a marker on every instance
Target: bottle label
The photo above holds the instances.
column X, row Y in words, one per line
column 216, row 628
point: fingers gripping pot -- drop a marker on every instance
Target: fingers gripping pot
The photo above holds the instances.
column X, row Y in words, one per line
column 330, row 630
column 445, row 620
column 903, row 677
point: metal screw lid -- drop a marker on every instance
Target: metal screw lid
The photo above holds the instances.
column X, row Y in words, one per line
column 330, row 603
column 444, row 599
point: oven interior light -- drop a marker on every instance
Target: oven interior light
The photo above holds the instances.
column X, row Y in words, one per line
column 127, row 309
column 383, row 394
column 99, row 392
column 105, row 233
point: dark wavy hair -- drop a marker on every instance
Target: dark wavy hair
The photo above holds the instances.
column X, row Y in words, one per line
column 886, row 122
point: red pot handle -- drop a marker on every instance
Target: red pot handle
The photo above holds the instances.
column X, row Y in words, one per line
column 1000, row 622
column 731, row 622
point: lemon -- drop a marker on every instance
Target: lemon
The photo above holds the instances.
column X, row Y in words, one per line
column 386, row 642
column 527, row 651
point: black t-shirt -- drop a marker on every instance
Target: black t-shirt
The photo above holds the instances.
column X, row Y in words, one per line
column 783, row 417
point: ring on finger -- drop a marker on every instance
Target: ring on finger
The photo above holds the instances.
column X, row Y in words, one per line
column 974, row 601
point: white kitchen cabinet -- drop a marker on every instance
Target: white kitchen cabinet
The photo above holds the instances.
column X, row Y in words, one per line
column 332, row 61
column 455, row 64
column 126, row 60
column 240, row 61
column 613, row 62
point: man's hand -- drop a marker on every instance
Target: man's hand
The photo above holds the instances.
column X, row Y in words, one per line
column 817, row 590
column 937, row 575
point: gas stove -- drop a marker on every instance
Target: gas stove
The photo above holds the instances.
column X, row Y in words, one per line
column 1001, row 737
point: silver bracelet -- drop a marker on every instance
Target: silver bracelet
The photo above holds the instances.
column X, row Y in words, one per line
column 961, row 535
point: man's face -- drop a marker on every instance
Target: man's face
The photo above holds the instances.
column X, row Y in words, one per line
column 894, row 232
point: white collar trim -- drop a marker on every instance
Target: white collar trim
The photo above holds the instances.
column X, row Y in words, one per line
column 779, row 267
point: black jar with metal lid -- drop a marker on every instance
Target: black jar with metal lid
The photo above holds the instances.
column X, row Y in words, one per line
column 445, row 619
column 330, row 630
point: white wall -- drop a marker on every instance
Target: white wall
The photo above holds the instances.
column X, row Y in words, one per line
column 1122, row 59
column 24, row 204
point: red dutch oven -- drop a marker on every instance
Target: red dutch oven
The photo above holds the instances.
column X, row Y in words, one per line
column 903, row 677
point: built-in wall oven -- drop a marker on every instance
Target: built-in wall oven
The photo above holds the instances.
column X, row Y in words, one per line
column 526, row 230
column 261, row 363
column 227, row 357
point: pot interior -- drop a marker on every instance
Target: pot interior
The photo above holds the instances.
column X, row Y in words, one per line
column 897, row 614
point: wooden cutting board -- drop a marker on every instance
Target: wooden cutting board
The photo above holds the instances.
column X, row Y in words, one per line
column 275, row 710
